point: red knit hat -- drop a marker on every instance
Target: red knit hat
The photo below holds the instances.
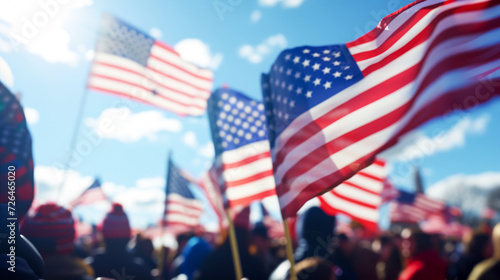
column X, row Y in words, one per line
column 51, row 228
column 115, row 224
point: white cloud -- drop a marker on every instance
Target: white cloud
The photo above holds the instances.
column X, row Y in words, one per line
column 417, row 145
column 155, row 33
column 151, row 182
column 284, row 3
column 207, row 150
column 48, row 180
column 190, row 139
column 6, row 76
column 32, row 116
column 38, row 27
column 255, row 54
column 198, row 53
column 255, row 16
column 123, row 125
column 470, row 192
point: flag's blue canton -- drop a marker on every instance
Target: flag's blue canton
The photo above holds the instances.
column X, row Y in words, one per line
column 268, row 108
column 303, row 77
column 96, row 184
column 405, row 197
column 177, row 183
column 119, row 38
column 236, row 120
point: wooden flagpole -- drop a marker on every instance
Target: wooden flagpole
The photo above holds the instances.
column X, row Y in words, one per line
column 234, row 247
column 161, row 260
column 289, row 251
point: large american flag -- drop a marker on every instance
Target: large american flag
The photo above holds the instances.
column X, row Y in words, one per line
column 91, row 195
column 415, row 208
column 239, row 134
column 16, row 159
column 182, row 208
column 334, row 108
column 359, row 197
column 131, row 63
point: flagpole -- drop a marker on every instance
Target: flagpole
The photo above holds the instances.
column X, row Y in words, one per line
column 234, row 247
column 163, row 222
column 73, row 141
column 289, row 250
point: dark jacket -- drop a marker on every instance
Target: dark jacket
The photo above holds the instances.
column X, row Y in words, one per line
column 119, row 264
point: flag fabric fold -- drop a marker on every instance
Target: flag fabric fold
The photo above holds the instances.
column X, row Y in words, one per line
column 91, row 195
column 130, row 63
column 359, row 197
column 239, row 134
column 334, row 108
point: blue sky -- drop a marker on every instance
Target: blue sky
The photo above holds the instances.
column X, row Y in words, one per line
column 239, row 42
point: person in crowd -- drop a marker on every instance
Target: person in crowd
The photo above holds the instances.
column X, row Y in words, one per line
column 362, row 258
column 193, row 254
column 219, row 264
column 478, row 247
column 317, row 240
column 114, row 260
column 315, row 268
column 51, row 229
column 423, row 260
column 489, row 268
column 143, row 249
column 390, row 263
column 261, row 245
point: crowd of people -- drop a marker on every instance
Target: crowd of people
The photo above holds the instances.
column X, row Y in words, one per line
column 48, row 249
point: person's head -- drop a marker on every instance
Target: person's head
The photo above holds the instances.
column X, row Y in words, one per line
column 51, row 229
column 496, row 241
column 415, row 241
column 315, row 268
column 479, row 246
column 143, row 246
column 115, row 228
column 316, row 223
column 260, row 238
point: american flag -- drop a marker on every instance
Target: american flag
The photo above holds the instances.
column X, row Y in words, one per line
column 91, row 195
column 131, row 63
column 359, row 197
column 239, row 134
column 182, row 209
column 415, row 208
column 16, row 160
column 334, row 108
column 209, row 183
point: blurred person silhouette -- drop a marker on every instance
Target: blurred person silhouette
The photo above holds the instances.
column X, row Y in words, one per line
column 423, row 259
column 489, row 268
column 51, row 229
column 261, row 246
column 143, row 249
column 317, row 240
column 478, row 247
column 219, row 263
column 315, row 268
column 114, row 260
column 390, row 263
column 193, row 254
column 25, row 260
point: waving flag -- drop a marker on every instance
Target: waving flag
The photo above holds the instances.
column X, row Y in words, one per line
column 359, row 197
column 334, row 108
column 130, row 63
column 210, row 186
column 16, row 161
column 239, row 134
column 91, row 195
column 182, row 209
column 415, row 208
